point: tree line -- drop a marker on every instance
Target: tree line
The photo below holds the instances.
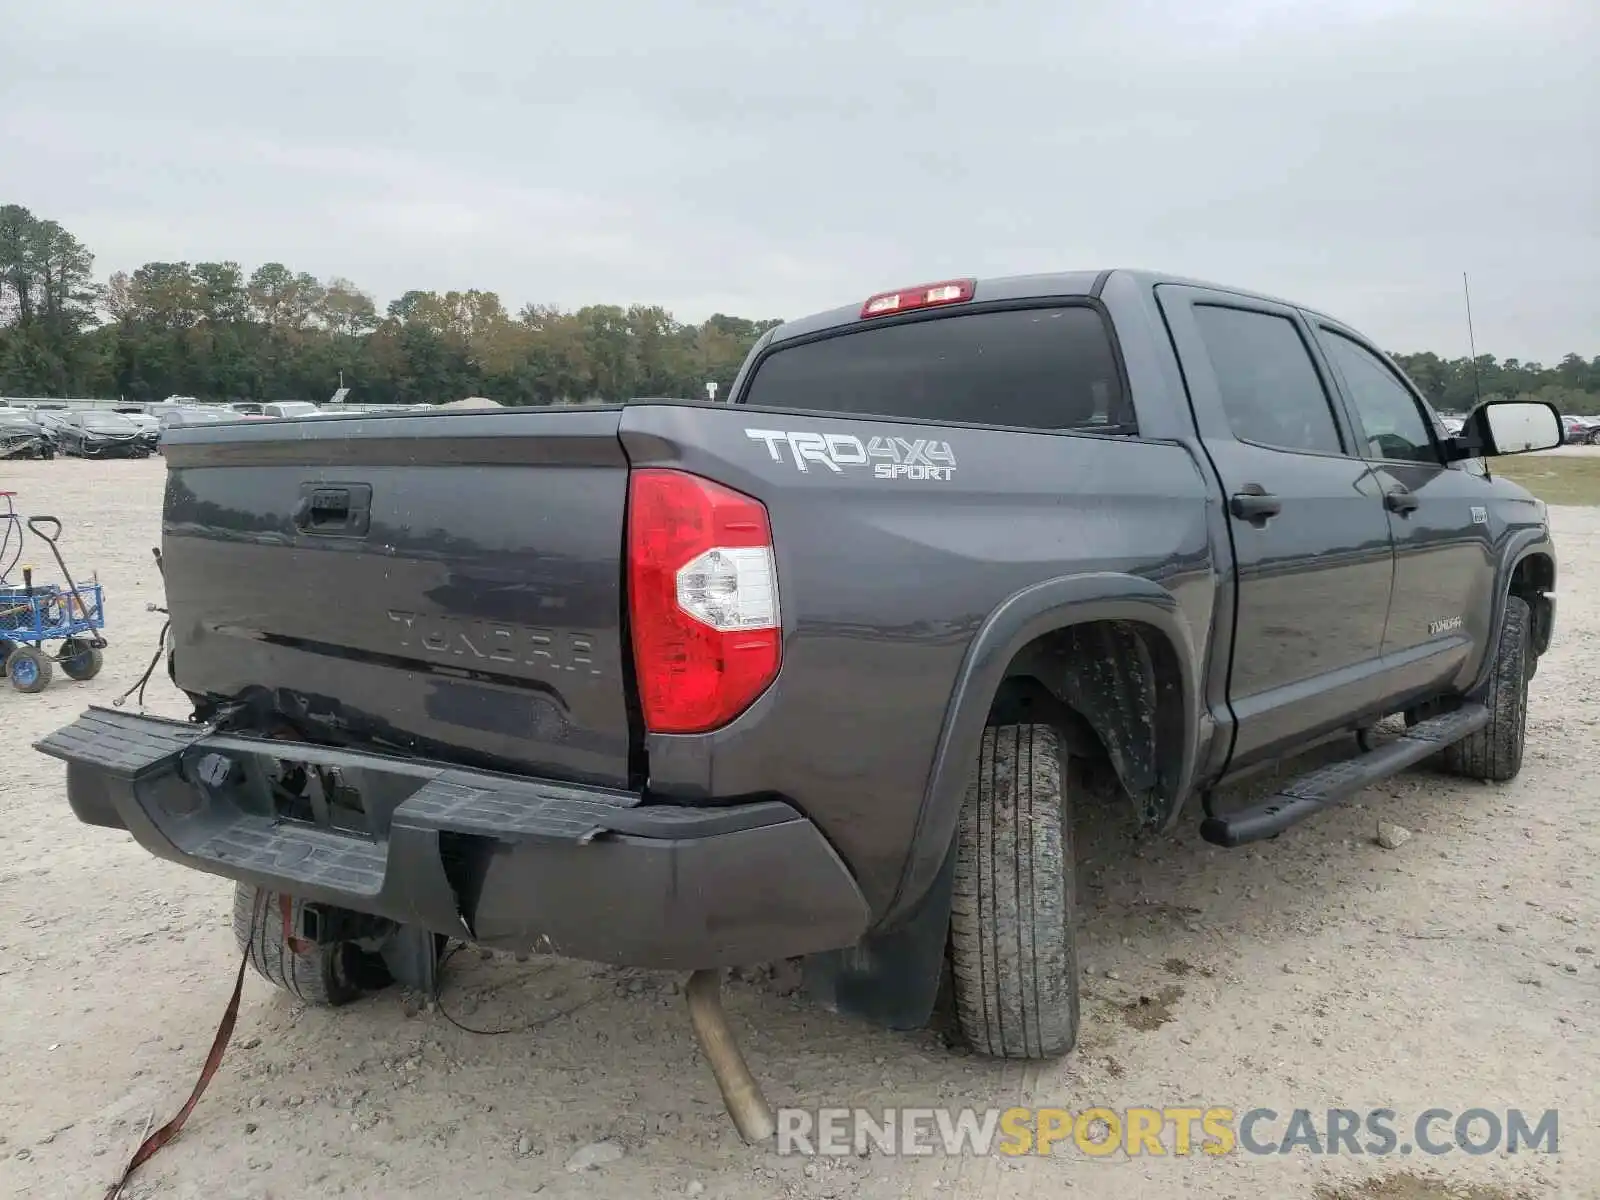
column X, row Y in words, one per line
column 214, row 331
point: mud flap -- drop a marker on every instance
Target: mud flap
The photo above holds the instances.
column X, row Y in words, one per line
column 890, row 978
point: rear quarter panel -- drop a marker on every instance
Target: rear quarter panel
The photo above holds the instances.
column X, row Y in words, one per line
column 884, row 583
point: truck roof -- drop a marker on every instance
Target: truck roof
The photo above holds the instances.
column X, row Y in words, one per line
column 1017, row 287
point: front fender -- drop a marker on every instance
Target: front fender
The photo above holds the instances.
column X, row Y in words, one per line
column 1518, row 547
column 1024, row 616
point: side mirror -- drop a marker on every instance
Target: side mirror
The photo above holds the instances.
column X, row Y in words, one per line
column 1499, row 427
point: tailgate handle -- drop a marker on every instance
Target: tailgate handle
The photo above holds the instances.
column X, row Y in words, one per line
column 334, row 509
column 330, row 504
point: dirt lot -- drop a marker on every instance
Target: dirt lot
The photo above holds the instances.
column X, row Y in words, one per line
column 1459, row 970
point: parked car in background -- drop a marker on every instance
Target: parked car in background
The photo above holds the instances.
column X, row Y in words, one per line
column 50, row 420
column 195, row 414
column 146, row 422
column 180, row 417
column 22, row 436
column 95, row 433
column 294, row 409
column 1582, row 430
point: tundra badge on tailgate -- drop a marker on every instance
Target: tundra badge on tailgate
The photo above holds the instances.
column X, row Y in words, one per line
column 890, row 457
column 555, row 650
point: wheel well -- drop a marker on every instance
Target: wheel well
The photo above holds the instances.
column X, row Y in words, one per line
column 1115, row 691
column 1532, row 579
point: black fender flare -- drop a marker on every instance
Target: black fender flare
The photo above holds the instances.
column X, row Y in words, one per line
column 1521, row 545
column 1020, row 619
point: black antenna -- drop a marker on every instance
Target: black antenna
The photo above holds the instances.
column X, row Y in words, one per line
column 1472, row 342
column 1472, row 348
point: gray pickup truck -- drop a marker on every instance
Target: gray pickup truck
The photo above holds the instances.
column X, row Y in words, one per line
column 813, row 672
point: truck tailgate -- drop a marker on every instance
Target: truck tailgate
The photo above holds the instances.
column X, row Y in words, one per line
column 447, row 584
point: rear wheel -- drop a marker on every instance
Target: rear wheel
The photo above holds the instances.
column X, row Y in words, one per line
column 1012, row 945
column 79, row 660
column 325, row 975
column 29, row 669
column 1494, row 753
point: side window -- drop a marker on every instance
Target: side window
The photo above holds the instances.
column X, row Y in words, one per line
column 1392, row 423
column 1270, row 387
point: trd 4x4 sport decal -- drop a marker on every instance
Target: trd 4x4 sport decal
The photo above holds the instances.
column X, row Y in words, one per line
column 889, row 457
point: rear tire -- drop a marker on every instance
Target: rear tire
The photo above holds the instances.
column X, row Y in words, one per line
column 1494, row 753
column 79, row 660
column 1012, row 945
column 326, row 975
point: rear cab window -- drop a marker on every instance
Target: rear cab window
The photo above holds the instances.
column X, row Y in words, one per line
column 1047, row 368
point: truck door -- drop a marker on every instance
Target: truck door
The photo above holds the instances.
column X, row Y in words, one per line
column 1444, row 567
column 1311, row 545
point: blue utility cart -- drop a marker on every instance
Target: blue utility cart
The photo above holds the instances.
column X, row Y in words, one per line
column 35, row 614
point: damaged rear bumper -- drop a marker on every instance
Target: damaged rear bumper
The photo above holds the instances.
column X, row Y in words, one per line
column 507, row 861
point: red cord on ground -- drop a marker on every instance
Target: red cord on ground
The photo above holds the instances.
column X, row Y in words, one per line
column 219, row 1044
column 167, row 1132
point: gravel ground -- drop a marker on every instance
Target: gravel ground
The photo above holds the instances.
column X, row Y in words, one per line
column 1458, row 970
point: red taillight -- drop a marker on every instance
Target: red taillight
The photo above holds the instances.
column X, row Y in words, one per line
column 928, row 295
column 703, row 595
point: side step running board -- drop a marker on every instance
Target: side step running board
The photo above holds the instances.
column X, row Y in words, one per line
column 1327, row 786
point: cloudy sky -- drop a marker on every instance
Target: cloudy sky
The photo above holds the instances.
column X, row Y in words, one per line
column 772, row 158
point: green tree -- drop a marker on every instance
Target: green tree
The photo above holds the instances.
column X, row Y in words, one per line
column 47, row 300
column 345, row 310
column 216, row 330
